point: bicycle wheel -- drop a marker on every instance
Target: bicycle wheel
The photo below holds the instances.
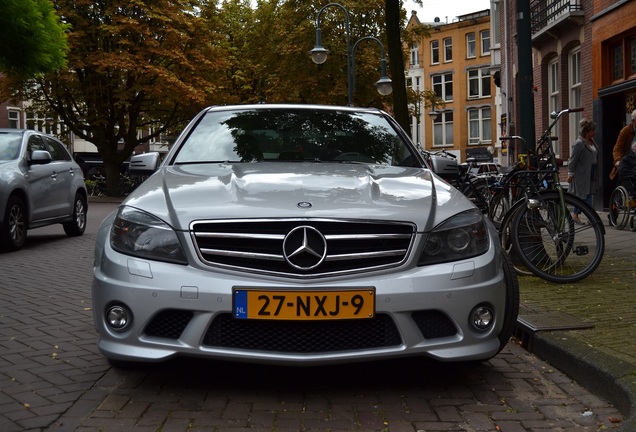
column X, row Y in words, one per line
column 506, row 245
column 549, row 243
column 478, row 190
column 499, row 206
column 619, row 208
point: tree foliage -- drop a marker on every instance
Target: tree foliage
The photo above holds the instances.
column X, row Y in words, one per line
column 152, row 64
column 32, row 37
column 268, row 50
column 143, row 64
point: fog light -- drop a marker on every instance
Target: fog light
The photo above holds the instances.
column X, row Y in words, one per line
column 482, row 317
column 118, row 317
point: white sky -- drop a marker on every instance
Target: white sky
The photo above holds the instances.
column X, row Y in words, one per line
column 446, row 10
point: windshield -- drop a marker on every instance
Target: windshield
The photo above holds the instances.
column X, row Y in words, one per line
column 9, row 145
column 281, row 134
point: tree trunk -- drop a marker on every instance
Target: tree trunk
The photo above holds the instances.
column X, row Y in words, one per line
column 112, row 177
column 396, row 62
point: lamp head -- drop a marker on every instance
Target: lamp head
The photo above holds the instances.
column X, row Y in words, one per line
column 384, row 86
column 319, row 54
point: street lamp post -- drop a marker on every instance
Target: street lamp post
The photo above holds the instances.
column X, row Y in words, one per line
column 384, row 84
column 433, row 113
column 319, row 55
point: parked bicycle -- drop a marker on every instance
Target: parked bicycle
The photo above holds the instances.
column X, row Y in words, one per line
column 473, row 186
column 532, row 212
column 539, row 226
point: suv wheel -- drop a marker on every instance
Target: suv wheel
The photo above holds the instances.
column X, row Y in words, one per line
column 13, row 232
column 77, row 225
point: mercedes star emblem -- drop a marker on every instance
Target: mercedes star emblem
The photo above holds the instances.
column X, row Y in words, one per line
column 304, row 248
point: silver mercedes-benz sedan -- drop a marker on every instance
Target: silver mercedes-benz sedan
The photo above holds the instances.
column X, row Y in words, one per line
column 298, row 234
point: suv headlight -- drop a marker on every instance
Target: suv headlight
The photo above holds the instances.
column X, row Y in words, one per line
column 140, row 234
column 462, row 236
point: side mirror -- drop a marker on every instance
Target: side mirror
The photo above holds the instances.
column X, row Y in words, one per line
column 144, row 164
column 40, row 157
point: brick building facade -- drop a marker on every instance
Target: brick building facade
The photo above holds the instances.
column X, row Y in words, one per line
column 454, row 62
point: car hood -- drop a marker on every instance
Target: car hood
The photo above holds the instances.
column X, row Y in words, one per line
column 8, row 170
column 181, row 194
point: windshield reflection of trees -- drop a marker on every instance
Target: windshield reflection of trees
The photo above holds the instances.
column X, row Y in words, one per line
column 313, row 135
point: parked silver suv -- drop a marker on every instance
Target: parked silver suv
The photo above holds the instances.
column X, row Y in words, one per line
column 40, row 184
column 300, row 235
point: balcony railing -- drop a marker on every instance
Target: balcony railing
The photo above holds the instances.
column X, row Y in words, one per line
column 543, row 13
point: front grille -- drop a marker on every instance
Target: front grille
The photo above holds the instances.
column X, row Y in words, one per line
column 169, row 324
column 434, row 324
column 302, row 336
column 258, row 245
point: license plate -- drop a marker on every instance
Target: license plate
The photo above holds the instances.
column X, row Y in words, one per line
column 304, row 305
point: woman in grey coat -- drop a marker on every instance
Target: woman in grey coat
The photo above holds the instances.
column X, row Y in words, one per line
column 582, row 166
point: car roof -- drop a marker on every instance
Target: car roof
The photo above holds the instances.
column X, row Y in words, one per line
column 292, row 106
column 26, row 131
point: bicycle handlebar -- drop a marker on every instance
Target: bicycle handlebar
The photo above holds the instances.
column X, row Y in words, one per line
column 555, row 115
column 442, row 153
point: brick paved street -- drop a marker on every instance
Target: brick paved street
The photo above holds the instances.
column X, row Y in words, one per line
column 52, row 377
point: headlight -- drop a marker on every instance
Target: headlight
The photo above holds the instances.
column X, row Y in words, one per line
column 463, row 236
column 142, row 235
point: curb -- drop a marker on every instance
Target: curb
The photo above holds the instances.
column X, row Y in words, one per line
column 105, row 199
column 598, row 372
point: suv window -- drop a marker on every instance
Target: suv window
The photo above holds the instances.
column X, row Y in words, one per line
column 35, row 143
column 57, row 150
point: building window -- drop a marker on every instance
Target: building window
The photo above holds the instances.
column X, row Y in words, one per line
column 443, row 86
column 30, row 120
column 553, row 94
column 14, row 119
column 619, row 59
column 485, row 42
column 574, row 82
column 448, row 50
column 471, row 48
column 478, row 83
column 479, row 126
column 632, row 53
column 443, row 129
column 415, row 56
column 435, row 52
column 617, row 62
column 495, row 24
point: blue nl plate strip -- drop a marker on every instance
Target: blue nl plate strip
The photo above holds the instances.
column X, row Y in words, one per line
column 240, row 304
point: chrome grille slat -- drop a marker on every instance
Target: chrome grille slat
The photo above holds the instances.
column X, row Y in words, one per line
column 365, row 255
column 256, row 245
column 242, row 254
column 366, row 236
column 241, row 235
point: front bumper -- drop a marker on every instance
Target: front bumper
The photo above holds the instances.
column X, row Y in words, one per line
column 187, row 311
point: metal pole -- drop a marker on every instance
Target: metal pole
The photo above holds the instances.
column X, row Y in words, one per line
column 524, row 55
column 353, row 59
column 348, row 34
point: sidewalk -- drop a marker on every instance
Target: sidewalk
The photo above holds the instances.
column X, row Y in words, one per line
column 601, row 358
